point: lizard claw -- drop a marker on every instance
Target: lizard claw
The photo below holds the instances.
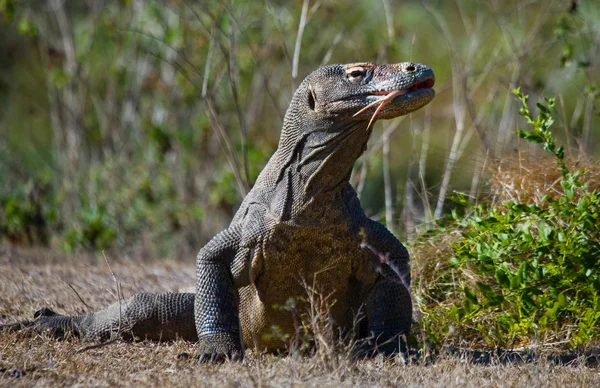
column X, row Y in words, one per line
column 44, row 312
column 27, row 323
column 14, row 327
column 42, row 322
column 219, row 358
column 218, row 348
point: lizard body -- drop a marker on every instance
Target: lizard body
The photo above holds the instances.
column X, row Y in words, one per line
column 300, row 227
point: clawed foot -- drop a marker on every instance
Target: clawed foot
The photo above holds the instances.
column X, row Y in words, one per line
column 41, row 312
column 12, row 327
column 219, row 348
column 39, row 324
column 219, row 358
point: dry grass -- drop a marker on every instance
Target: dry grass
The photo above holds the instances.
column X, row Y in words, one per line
column 527, row 177
column 32, row 279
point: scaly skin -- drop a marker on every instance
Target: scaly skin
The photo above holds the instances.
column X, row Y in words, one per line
column 301, row 224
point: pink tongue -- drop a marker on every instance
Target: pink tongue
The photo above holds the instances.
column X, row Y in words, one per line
column 382, row 102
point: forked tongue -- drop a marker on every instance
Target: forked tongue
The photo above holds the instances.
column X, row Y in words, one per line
column 382, row 102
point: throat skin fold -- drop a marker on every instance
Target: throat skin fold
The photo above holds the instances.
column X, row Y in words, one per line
column 313, row 164
column 317, row 173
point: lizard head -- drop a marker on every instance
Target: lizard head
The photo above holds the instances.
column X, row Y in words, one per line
column 365, row 91
column 327, row 125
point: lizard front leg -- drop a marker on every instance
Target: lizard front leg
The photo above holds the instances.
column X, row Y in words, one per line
column 216, row 306
column 388, row 303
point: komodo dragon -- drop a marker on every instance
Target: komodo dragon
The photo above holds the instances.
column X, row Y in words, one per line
column 302, row 221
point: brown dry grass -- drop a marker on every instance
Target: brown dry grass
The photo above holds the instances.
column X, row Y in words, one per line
column 32, row 279
column 526, row 177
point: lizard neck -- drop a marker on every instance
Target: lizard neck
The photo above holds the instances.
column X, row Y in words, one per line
column 313, row 167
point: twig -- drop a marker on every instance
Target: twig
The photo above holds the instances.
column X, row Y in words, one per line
column 236, row 101
column 266, row 77
column 207, row 64
column 477, row 176
column 388, row 19
column 384, row 258
column 336, row 39
column 387, row 181
column 79, row 296
column 372, row 150
column 458, row 89
column 587, row 124
column 119, row 295
column 226, row 142
column 165, row 43
column 423, row 162
column 96, row 346
column 299, row 39
column 409, row 209
column 362, row 177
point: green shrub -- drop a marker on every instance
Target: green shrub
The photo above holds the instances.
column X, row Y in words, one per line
column 28, row 213
column 117, row 205
column 106, row 205
column 520, row 272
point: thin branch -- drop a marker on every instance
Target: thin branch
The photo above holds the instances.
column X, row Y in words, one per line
column 477, row 174
column 389, row 21
column 119, row 293
column 299, row 39
column 119, row 297
column 238, row 108
column 78, row 296
column 207, row 65
column 336, row 40
column 229, row 150
column 423, row 162
column 408, row 210
column 387, row 181
column 587, row 123
column 96, row 346
column 167, row 44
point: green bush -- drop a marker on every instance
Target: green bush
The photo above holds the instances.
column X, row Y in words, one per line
column 28, row 213
column 116, row 206
column 105, row 206
column 521, row 272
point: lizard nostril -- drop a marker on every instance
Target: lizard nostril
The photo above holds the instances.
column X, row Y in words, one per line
column 409, row 68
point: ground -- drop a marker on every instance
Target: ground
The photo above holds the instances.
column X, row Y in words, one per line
column 75, row 284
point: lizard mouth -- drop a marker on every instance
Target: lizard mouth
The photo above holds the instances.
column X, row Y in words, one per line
column 390, row 95
column 423, row 84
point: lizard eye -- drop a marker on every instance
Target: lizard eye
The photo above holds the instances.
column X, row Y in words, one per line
column 355, row 74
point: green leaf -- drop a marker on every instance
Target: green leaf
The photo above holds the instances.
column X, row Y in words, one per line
column 562, row 300
column 515, row 281
column 493, row 298
column 470, row 294
column 502, row 279
column 522, row 134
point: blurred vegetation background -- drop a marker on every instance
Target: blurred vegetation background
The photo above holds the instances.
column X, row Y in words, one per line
column 139, row 125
